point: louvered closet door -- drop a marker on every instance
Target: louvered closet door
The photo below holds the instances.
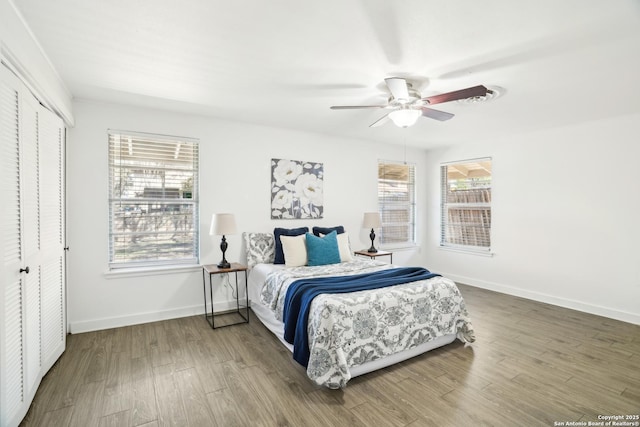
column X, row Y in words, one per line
column 30, row 225
column 32, row 304
column 12, row 345
column 52, row 275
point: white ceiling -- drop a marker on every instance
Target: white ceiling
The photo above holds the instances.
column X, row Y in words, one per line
column 284, row 62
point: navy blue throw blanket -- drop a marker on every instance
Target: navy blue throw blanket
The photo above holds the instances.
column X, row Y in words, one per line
column 300, row 293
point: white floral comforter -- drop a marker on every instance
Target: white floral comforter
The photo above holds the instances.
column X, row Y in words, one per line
column 350, row 329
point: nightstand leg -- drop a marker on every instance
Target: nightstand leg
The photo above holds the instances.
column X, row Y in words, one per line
column 246, row 293
column 204, row 288
column 237, row 295
column 211, row 292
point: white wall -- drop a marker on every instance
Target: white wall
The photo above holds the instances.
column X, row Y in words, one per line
column 566, row 218
column 235, row 177
column 565, row 209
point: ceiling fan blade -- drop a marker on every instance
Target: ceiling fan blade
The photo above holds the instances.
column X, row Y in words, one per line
column 457, row 94
column 353, row 107
column 398, row 88
column 436, row 114
column 382, row 120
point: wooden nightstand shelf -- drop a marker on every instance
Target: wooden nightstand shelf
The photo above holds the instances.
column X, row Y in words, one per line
column 212, row 270
column 374, row 255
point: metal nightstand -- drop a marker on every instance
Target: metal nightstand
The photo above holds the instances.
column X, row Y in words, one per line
column 212, row 270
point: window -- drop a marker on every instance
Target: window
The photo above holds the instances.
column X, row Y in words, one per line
column 466, row 205
column 397, row 203
column 153, row 200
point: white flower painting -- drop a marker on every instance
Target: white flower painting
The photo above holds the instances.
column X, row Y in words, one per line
column 296, row 189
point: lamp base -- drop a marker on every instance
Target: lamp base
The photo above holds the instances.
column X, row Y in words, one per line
column 223, row 247
column 372, row 236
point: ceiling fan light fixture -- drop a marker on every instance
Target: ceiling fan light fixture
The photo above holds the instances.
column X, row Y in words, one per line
column 405, row 117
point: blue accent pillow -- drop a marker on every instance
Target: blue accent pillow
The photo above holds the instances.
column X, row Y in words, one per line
column 322, row 250
column 277, row 232
column 326, row 230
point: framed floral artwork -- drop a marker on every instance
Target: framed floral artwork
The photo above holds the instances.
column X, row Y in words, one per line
column 296, row 189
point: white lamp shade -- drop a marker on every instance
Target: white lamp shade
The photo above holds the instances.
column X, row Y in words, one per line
column 405, row 117
column 222, row 224
column 371, row 220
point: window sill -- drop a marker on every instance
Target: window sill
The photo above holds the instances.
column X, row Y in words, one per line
column 484, row 253
column 120, row 273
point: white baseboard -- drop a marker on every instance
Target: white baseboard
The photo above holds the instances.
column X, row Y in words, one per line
column 138, row 318
column 546, row 298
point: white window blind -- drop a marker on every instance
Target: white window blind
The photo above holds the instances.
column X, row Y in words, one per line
column 153, row 200
column 396, row 202
column 466, row 204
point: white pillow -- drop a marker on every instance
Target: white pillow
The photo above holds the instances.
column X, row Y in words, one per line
column 295, row 250
column 344, row 247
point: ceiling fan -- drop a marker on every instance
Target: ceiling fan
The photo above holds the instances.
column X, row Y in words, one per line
column 407, row 103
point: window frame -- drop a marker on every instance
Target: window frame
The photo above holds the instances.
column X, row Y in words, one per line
column 187, row 202
column 485, row 204
column 384, row 204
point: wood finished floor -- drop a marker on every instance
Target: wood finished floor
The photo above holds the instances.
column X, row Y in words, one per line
column 533, row 364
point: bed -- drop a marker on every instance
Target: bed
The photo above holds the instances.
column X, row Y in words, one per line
column 351, row 333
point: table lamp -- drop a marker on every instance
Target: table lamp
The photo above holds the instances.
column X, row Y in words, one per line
column 223, row 224
column 372, row 220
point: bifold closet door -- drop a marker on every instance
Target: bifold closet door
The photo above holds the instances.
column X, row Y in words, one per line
column 42, row 137
column 30, row 225
column 51, row 255
column 32, row 274
column 12, row 307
